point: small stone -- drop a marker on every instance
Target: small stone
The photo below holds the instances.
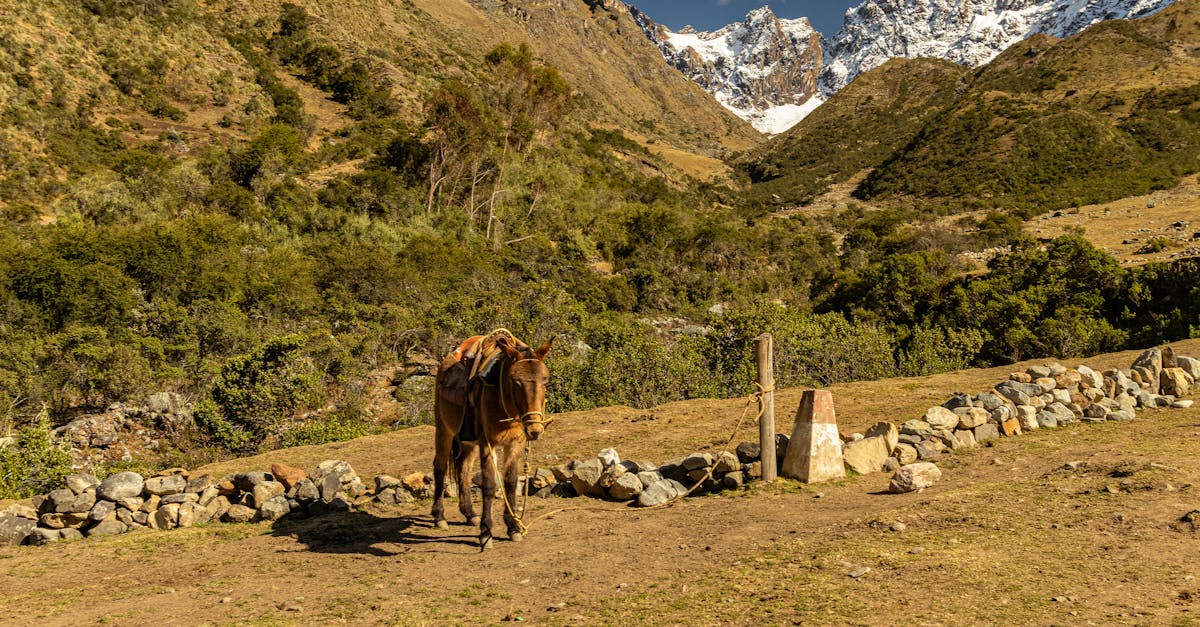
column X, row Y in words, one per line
column 914, row 477
column 859, row 572
column 383, row 482
column 898, row 527
column 608, row 457
column 414, row 481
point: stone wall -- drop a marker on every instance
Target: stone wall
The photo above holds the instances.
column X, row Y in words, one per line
column 1042, row 397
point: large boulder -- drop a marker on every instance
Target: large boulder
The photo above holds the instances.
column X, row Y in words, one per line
column 121, row 485
column 15, row 529
column 660, row 492
column 1151, row 363
column 1174, row 382
column 887, row 431
column 585, row 478
column 866, row 455
column 914, row 477
column 627, row 487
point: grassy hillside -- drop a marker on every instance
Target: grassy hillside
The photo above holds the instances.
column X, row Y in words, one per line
column 1111, row 112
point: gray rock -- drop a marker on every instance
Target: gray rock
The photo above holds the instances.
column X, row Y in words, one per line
column 610, row 474
column 1189, row 365
column 1027, row 416
column 59, row 501
column 991, row 400
column 216, row 508
column 1047, row 420
column 1038, row 372
column 733, row 480
column 239, row 514
column 275, row 508
column 181, row 498
column 887, row 431
column 1090, row 378
column 957, row 401
column 201, row 484
column 70, row 535
column 1127, row 402
column 15, row 529
column 1152, row 363
column 974, row 417
column 1095, row 413
column 1182, row 403
column 930, row 449
column 330, row 486
column 916, row 427
column 649, row 477
column 131, row 503
column 986, row 432
column 306, row 491
column 1120, row 415
column 245, row 481
column 121, row 514
column 82, row 482
column 866, row 455
column 966, row 438
column 121, row 485
column 39, row 536
column 382, row 482
column 342, row 469
column 891, row 464
column 727, row 462
column 1004, row 412
column 1061, row 396
column 1048, row 384
column 1018, row 393
column 940, row 418
column 626, row 487
column 660, row 492
column 1062, row 414
column 106, row 528
column 264, row 492
column 914, row 477
column 748, row 452
column 164, row 486
column 102, row 510
column 585, row 478
column 697, row 461
column 608, row 457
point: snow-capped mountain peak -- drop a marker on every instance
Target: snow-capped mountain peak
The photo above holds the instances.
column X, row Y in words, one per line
column 772, row 72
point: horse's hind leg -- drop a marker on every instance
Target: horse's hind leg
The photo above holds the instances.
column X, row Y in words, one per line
column 487, row 470
column 462, row 464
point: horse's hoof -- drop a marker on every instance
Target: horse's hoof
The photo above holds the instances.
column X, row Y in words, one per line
column 476, row 521
column 485, row 545
column 516, row 536
column 441, row 524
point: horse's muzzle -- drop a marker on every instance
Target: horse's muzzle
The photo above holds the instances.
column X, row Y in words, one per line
column 533, row 430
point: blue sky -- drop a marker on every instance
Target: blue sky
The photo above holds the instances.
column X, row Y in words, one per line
column 825, row 15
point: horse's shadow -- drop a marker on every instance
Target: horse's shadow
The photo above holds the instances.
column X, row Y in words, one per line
column 362, row 532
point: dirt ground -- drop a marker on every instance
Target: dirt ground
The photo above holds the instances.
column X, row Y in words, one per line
column 1079, row 525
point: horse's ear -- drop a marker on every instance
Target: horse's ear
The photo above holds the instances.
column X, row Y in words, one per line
column 512, row 352
column 544, row 350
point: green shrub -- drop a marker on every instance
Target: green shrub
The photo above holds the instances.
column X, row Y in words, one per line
column 32, row 465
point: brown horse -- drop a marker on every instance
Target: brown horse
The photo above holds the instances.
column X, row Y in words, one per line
column 502, row 401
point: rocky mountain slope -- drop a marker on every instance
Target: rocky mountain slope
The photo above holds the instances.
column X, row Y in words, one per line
column 763, row 68
column 969, row 33
column 773, row 72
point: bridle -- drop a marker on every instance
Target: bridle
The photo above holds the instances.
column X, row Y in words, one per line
column 527, row 417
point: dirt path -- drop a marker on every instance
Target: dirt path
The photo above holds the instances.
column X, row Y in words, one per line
column 1007, row 531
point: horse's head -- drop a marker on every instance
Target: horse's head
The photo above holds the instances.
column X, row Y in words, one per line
column 526, row 381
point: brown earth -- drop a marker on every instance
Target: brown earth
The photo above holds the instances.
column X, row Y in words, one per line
column 1010, row 535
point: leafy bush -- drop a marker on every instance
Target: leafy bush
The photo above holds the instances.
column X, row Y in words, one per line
column 32, row 465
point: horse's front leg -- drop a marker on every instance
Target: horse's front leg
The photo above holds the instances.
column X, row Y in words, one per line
column 487, row 469
column 512, row 459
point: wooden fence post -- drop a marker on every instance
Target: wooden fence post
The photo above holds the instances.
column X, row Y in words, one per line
column 764, row 351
